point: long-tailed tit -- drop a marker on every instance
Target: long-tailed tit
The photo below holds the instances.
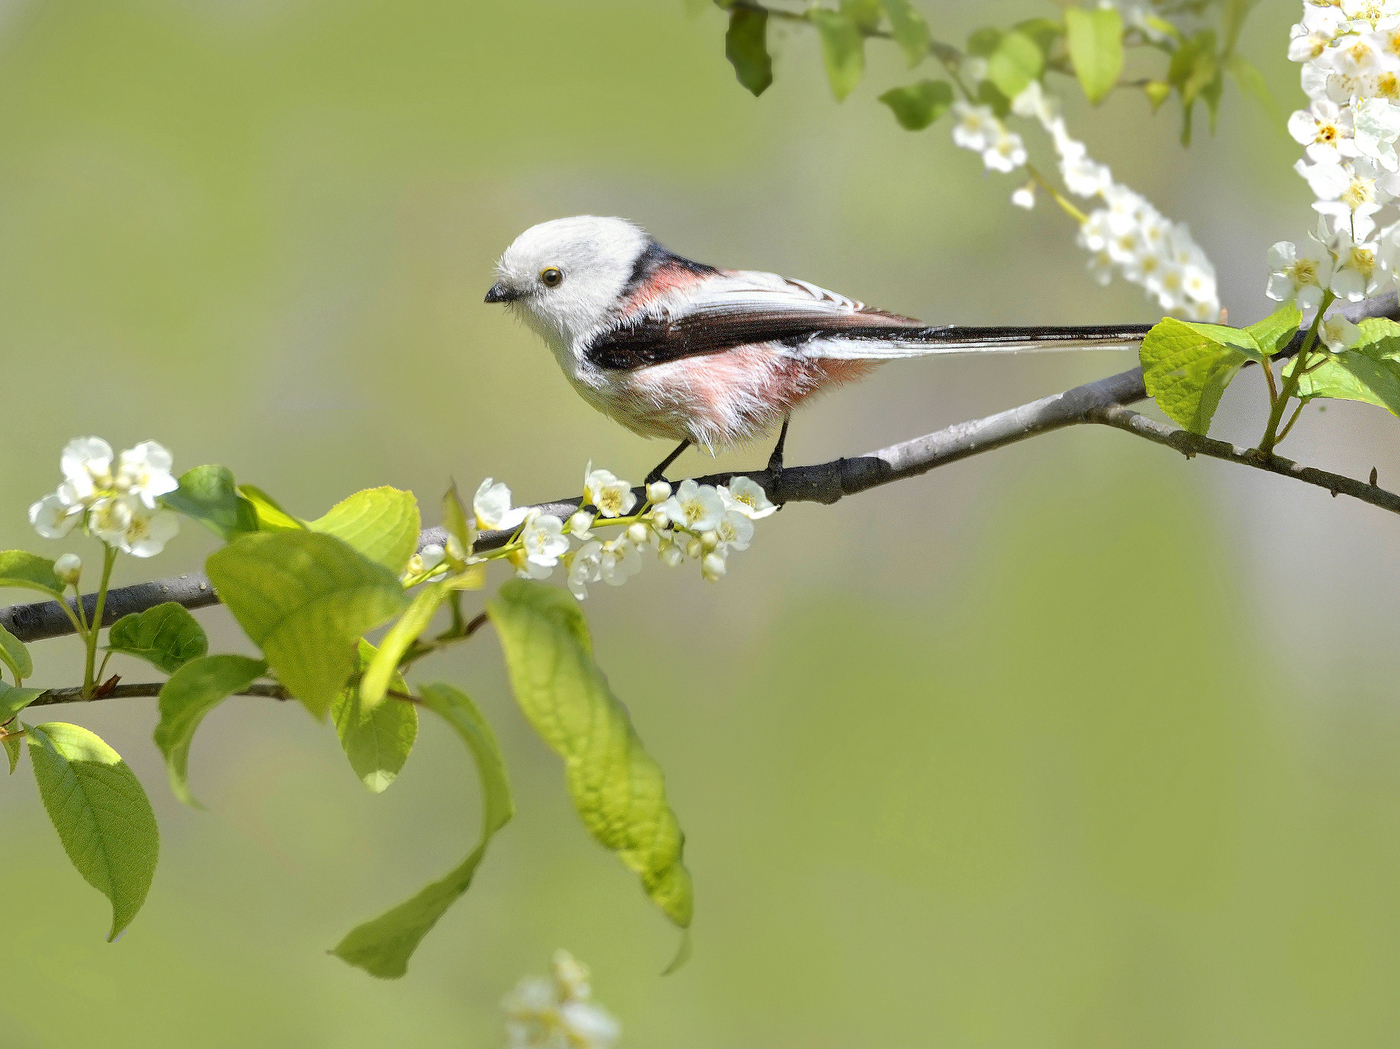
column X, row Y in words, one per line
column 675, row 349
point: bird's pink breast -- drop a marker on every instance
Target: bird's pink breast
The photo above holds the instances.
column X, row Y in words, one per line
column 723, row 398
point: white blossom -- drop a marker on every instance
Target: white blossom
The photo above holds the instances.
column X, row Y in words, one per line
column 492, row 507
column 977, row 127
column 86, row 463
column 612, row 497
column 713, row 566
column 1337, row 333
column 694, row 507
column 148, row 531
column 53, row 517
column 619, row 561
column 1024, row 197
column 584, row 568
column 747, row 496
column 579, row 524
column 144, row 472
column 658, row 492
column 1298, row 277
column 734, row 530
column 558, row 1013
column 544, row 540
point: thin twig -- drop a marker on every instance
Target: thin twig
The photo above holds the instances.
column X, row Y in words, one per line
column 145, row 688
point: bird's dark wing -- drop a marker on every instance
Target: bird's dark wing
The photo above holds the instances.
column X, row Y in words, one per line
column 721, row 310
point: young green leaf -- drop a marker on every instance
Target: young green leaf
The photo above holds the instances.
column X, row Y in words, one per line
column 909, row 30
column 616, row 786
column 1253, row 84
column 919, row 105
column 376, row 740
column 209, row 495
column 1368, row 372
column 1273, row 333
column 1186, row 368
column 397, row 641
column 381, row 523
column 1016, row 61
column 15, row 655
column 165, row 636
column 11, row 742
column 305, row 599
column 1043, row 31
column 1095, row 48
column 382, row 947
column 746, row 47
column 192, row 691
column 270, row 515
column 21, row 569
column 843, row 49
column 102, row 815
column 13, row 700
column 454, row 517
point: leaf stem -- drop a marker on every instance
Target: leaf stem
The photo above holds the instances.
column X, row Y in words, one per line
column 109, row 558
column 1292, row 419
column 1290, row 383
column 1059, row 198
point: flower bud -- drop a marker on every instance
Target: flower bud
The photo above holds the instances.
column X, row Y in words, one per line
column 638, row 532
column 658, row 492
column 670, row 554
column 694, row 548
column 69, row 568
column 709, row 539
column 660, row 519
column 579, row 524
column 713, row 567
column 415, row 566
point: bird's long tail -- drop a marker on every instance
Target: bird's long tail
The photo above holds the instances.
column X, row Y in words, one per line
column 879, row 344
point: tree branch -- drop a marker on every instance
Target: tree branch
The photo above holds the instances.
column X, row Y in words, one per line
column 1100, row 402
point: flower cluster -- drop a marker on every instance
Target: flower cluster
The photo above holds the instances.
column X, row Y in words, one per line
column 696, row 522
column 1350, row 55
column 1128, row 236
column 558, row 1012
column 115, row 498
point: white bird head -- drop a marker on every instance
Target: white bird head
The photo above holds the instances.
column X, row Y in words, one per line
column 566, row 277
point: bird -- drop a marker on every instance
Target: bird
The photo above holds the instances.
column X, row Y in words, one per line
column 676, row 349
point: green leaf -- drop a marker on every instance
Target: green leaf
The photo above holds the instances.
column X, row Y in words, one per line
column 1273, row 333
column 270, row 515
column 12, row 749
column 381, row 523
column 397, row 641
column 982, row 42
column 13, row 700
column 1368, row 372
column 102, row 815
column 1253, row 84
column 616, row 786
column 382, row 947
column 209, row 495
column 377, row 740
column 305, row 599
column 21, row 569
column 15, row 655
column 919, row 105
column 165, row 636
column 454, row 517
column 1232, row 19
column 746, row 47
column 1157, row 92
column 1043, row 31
column 1095, row 48
column 192, row 691
column 1014, row 64
column 843, row 49
column 909, row 30
column 1186, row 368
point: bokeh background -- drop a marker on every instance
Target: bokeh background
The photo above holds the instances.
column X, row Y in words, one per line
column 1076, row 744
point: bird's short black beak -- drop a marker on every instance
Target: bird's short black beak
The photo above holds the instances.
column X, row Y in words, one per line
column 500, row 293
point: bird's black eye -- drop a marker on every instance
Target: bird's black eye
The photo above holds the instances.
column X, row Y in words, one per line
column 551, row 277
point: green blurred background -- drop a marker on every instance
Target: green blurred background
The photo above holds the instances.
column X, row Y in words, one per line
column 1076, row 744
